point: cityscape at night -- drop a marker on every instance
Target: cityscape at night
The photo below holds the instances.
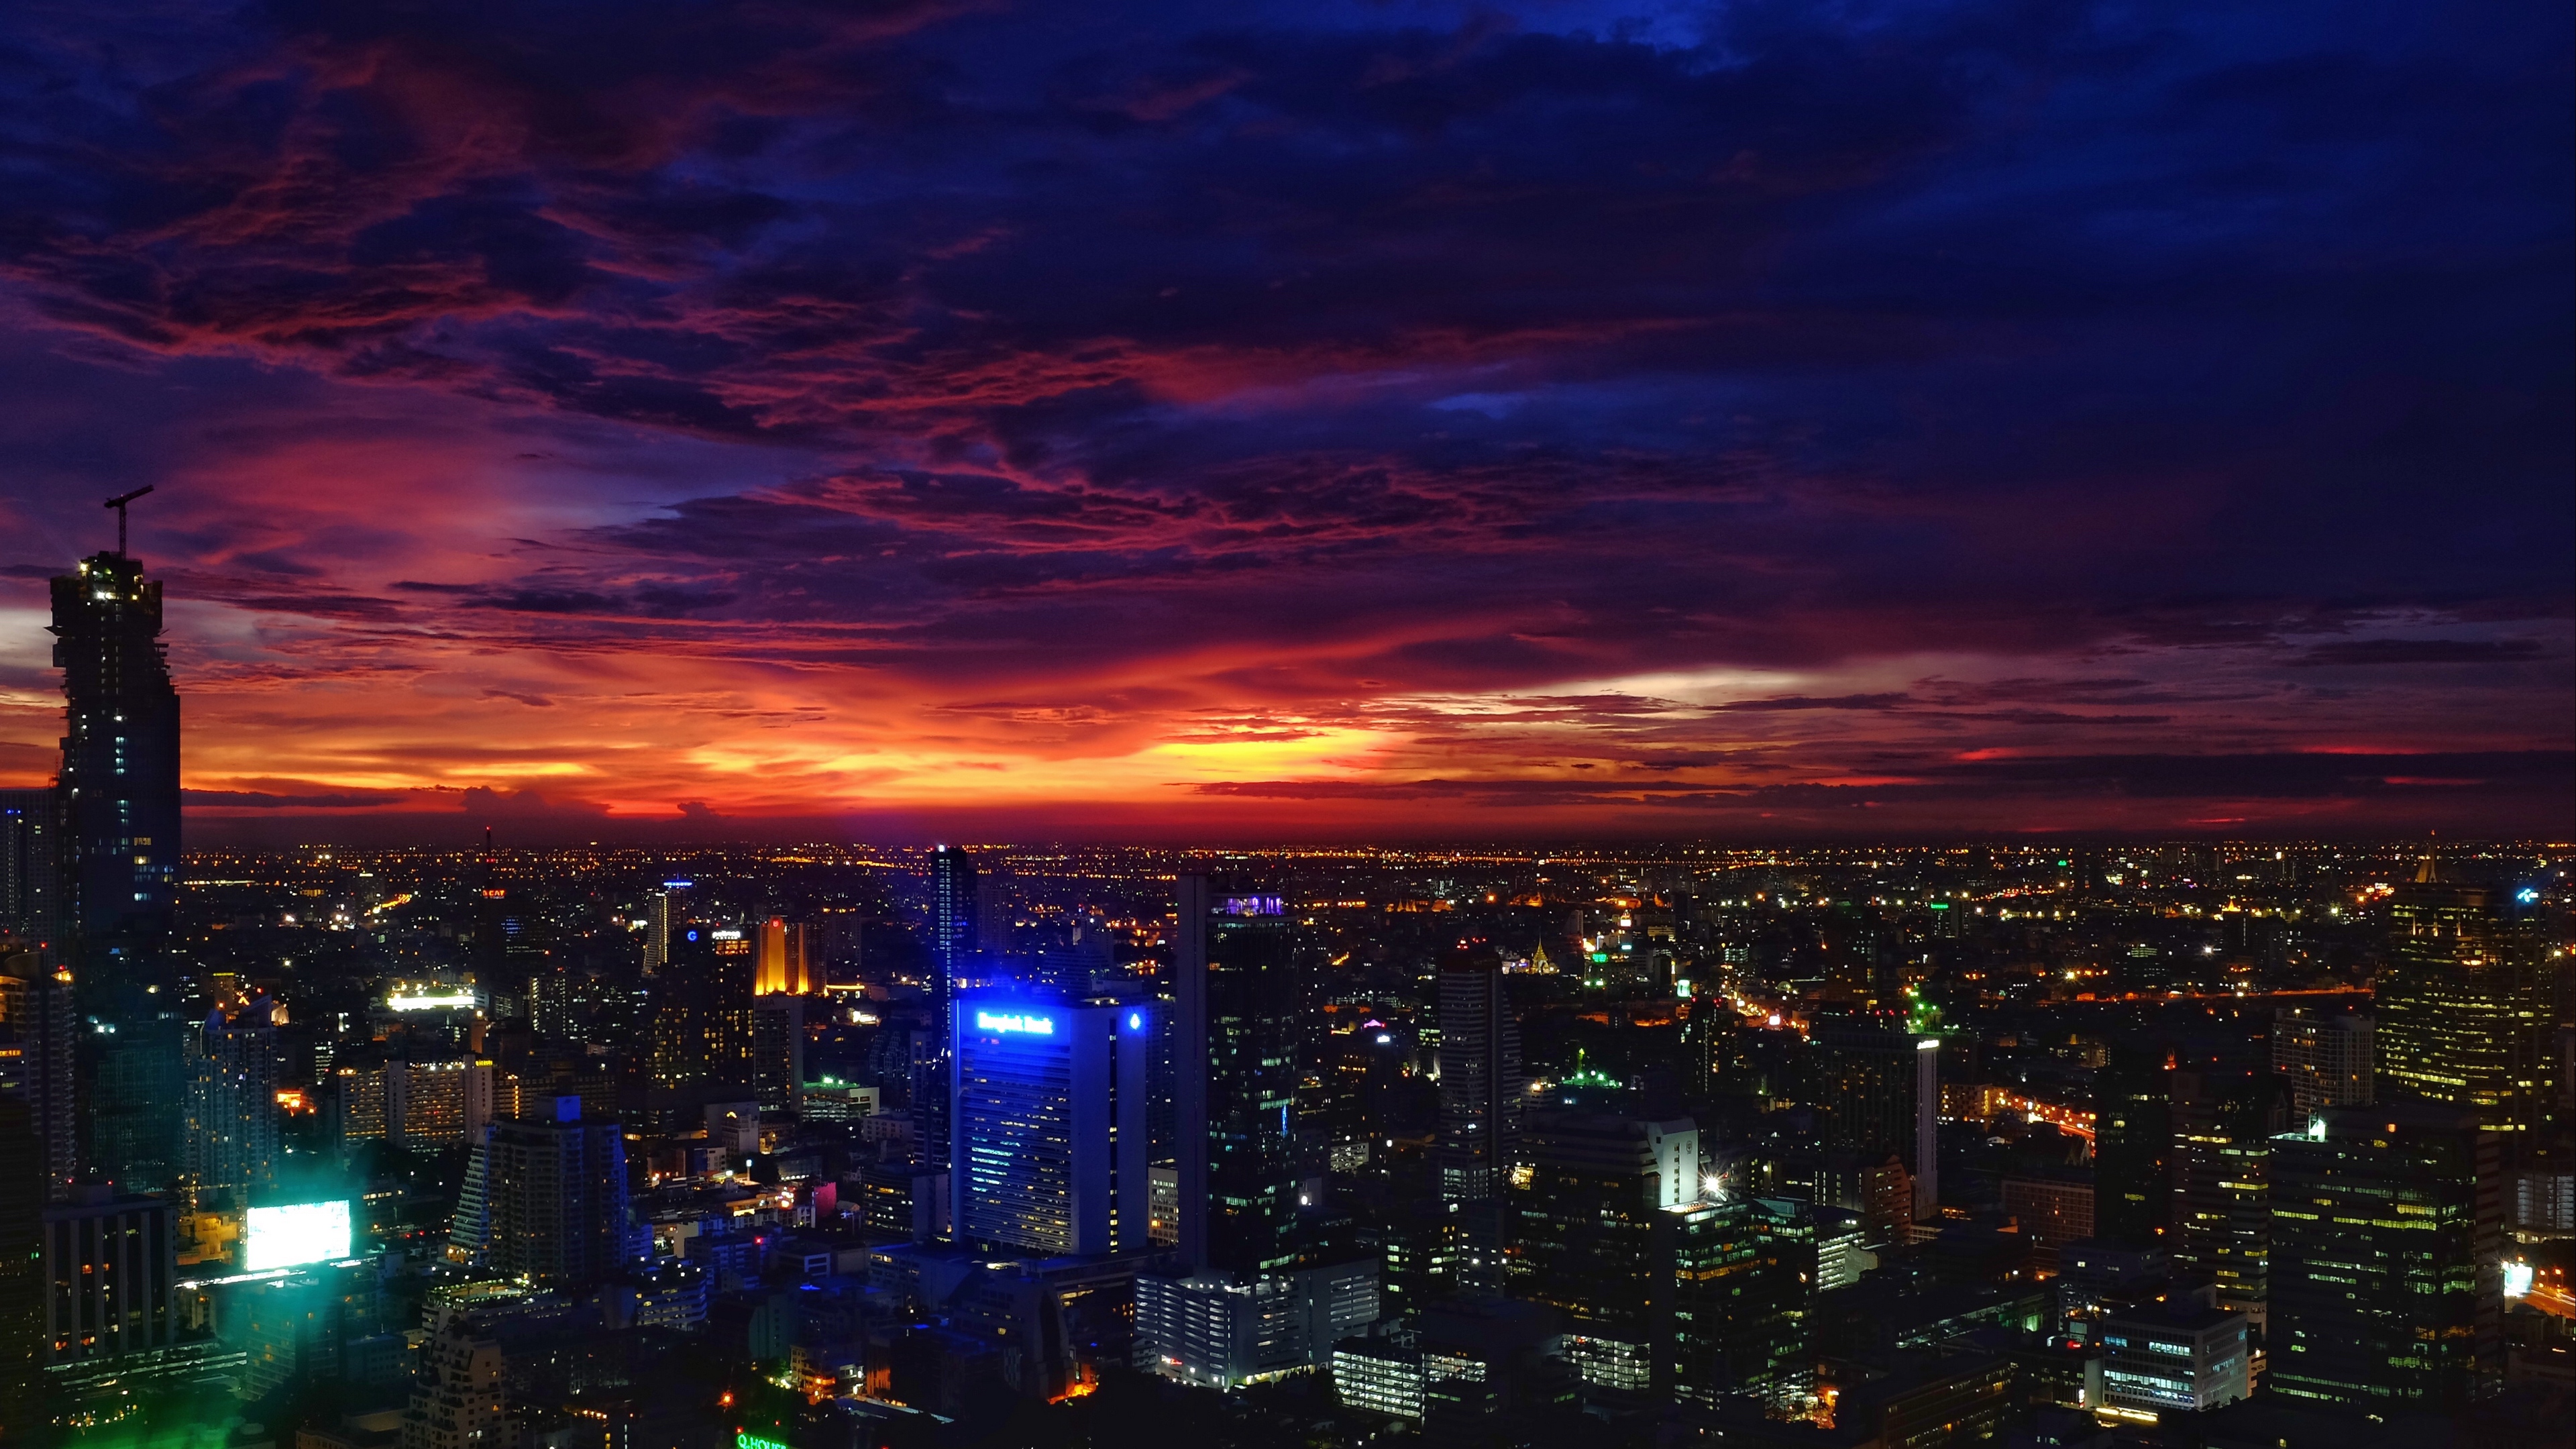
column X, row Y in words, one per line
column 1379, row 724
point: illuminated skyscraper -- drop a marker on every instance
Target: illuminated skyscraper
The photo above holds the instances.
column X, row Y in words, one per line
column 2387, row 1236
column 1052, row 1154
column 778, row 1052
column 120, row 776
column 2325, row 1057
column 786, row 963
column 702, row 1025
column 669, row 910
column 1745, row 1276
column 2468, row 1009
column 952, row 914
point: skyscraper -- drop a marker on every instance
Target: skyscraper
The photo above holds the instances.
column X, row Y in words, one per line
column 2324, row 1056
column 952, row 953
column 1744, row 1279
column 30, row 857
column 545, row 1198
column 701, row 1021
column 22, row 1288
column 2224, row 1120
column 232, row 1106
column 786, row 963
column 2387, row 1230
column 1234, row 1067
column 1052, row 1154
column 120, row 775
column 110, row 1272
column 36, row 1010
column 1480, row 1077
column 778, row 1052
column 2133, row 1144
column 1881, row 1093
column 2468, row 1007
column 952, row 913
column 1585, row 1234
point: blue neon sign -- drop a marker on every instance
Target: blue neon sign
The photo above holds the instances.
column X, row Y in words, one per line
column 1135, row 1021
column 1014, row 1023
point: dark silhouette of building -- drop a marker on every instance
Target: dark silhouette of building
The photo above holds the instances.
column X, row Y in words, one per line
column 1879, row 1095
column 120, row 775
column 22, row 1287
column 1481, row 1091
column 30, row 860
column 1587, row 1236
column 2133, row 1144
column 2224, row 1119
column 110, row 1270
column 38, row 1022
column 1235, row 1073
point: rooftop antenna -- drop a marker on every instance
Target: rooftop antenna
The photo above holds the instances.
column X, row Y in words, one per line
column 118, row 503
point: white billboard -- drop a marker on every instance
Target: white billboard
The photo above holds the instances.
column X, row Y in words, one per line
column 308, row 1232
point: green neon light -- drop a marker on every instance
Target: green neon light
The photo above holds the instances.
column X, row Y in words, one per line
column 754, row 1441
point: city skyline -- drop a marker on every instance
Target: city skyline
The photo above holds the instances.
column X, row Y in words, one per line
column 1362, row 422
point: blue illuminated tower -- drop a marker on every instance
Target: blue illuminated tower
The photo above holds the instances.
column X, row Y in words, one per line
column 1048, row 1107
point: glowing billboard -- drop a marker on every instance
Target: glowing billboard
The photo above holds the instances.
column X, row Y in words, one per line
column 307, row 1232
column 1014, row 1023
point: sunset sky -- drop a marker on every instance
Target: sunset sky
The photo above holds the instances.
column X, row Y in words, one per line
column 1251, row 420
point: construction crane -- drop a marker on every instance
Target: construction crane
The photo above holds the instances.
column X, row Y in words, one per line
column 118, row 503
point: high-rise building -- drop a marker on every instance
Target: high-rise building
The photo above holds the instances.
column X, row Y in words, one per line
column 2468, row 1008
column 2133, row 1144
column 546, row 1199
column 701, row 1021
column 1880, row 1093
column 1481, row 1092
column 669, row 912
column 456, row 1394
column 2387, row 1233
column 110, row 1274
column 232, row 1106
column 120, row 775
column 2324, row 1056
column 953, row 940
column 1051, row 1151
column 778, row 1052
column 22, row 1286
column 1745, row 1275
column 1221, row 1332
column 36, row 1009
column 1585, row 1233
column 30, row 851
column 786, row 960
column 1237, row 966
column 2224, row 1120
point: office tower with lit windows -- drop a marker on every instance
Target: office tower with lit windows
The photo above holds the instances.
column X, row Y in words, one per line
column 2224, row 1119
column 545, row 1198
column 2324, row 1056
column 2387, row 1236
column 30, row 857
column 2133, row 1144
column 1052, row 1154
column 1744, row 1279
column 778, row 1052
column 36, row 1013
column 120, row 772
column 232, row 1063
column 1237, row 965
column 2468, row 1006
column 701, row 1013
column 1586, row 1231
column 953, row 938
column 1481, row 1090
column 1879, row 1093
